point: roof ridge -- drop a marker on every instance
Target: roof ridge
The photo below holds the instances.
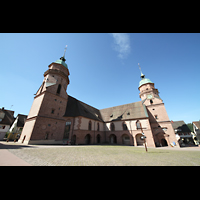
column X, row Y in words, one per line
column 122, row 105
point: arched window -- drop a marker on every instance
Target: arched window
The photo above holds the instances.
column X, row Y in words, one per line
column 138, row 124
column 87, row 139
column 98, row 127
column 112, row 127
column 59, row 88
column 90, row 126
column 124, row 126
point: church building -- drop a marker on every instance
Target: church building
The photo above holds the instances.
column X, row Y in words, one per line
column 57, row 118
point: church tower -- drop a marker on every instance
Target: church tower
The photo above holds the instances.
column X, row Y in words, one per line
column 45, row 123
column 161, row 126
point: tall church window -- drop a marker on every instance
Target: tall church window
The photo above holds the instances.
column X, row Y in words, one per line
column 59, row 88
column 98, row 127
column 112, row 127
column 124, row 126
column 138, row 125
column 52, row 111
column 90, row 126
column 67, row 130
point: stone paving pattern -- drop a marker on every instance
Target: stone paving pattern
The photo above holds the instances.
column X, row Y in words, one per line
column 106, row 156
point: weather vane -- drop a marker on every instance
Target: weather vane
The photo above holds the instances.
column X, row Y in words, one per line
column 63, row 57
column 140, row 68
column 142, row 75
column 65, row 51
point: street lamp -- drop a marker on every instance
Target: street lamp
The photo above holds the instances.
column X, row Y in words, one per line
column 143, row 137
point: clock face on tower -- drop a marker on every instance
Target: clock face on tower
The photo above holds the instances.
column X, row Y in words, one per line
column 149, row 96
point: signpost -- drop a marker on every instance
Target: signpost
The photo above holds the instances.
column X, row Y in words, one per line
column 143, row 137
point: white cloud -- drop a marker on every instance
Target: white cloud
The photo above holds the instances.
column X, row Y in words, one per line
column 122, row 44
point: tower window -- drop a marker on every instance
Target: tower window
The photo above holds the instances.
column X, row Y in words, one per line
column 52, row 111
column 59, row 88
column 156, row 116
column 151, row 101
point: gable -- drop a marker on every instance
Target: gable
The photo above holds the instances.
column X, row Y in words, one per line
column 180, row 126
column 7, row 116
column 197, row 124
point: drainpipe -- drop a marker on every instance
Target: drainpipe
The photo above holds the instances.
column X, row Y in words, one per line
column 144, row 138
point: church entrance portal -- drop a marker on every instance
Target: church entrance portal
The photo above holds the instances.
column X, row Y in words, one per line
column 113, row 139
column 139, row 141
column 73, row 139
column 164, row 142
column 125, row 139
column 98, row 139
column 87, row 139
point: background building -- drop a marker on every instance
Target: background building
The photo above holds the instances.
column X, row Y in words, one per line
column 17, row 126
column 6, row 119
column 196, row 127
column 183, row 134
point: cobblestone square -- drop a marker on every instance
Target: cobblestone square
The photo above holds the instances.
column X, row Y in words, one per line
column 105, row 155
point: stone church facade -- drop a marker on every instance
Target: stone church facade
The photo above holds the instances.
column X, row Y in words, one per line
column 57, row 118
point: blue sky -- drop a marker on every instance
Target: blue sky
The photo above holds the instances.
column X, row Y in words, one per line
column 104, row 68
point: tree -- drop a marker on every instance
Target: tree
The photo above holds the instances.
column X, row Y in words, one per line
column 190, row 126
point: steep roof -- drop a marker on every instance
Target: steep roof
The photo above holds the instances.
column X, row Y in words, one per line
column 21, row 120
column 7, row 116
column 124, row 112
column 197, row 124
column 180, row 126
column 77, row 108
column 144, row 81
column 61, row 62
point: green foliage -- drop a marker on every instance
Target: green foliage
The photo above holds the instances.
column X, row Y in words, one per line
column 190, row 126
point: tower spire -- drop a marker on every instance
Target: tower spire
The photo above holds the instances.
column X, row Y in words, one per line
column 63, row 57
column 142, row 75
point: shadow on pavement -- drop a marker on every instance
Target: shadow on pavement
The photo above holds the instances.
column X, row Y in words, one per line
column 12, row 145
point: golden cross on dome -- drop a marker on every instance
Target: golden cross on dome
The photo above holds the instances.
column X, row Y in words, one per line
column 140, row 68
